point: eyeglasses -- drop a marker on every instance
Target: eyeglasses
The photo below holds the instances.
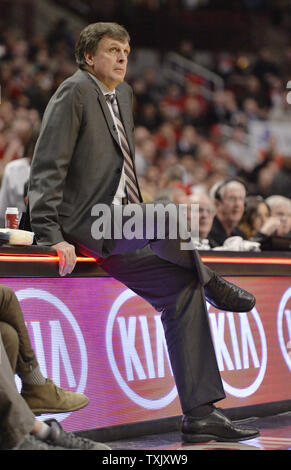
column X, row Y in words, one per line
column 234, row 199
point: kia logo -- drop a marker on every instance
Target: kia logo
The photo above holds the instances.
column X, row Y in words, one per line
column 241, row 350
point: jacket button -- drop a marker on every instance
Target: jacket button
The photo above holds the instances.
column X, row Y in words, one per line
column 118, row 170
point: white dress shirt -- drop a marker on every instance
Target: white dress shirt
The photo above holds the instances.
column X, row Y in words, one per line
column 15, row 176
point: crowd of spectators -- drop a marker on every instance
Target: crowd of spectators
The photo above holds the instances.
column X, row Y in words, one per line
column 186, row 143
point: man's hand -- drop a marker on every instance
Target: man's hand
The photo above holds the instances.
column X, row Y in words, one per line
column 270, row 226
column 67, row 257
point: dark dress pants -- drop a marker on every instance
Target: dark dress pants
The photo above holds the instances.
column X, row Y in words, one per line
column 172, row 280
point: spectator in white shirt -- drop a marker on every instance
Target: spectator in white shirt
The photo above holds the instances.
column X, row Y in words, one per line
column 15, row 177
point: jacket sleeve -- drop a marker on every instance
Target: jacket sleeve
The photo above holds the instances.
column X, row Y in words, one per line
column 54, row 149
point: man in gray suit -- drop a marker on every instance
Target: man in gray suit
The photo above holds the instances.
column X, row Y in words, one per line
column 85, row 156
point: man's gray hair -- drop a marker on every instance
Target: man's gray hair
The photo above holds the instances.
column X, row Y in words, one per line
column 277, row 200
column 218, row 189
column 231, row 185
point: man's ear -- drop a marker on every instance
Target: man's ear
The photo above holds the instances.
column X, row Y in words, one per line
column 89, row 58
column 216, row 203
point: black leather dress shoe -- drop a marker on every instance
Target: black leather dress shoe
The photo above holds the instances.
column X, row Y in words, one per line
column 215, row 427
column 226, row 296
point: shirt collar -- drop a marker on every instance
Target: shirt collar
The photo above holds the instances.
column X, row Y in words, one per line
column 101, row 85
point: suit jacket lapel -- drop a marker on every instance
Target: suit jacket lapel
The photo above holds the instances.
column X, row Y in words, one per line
column 105, row 109
column 108, row 117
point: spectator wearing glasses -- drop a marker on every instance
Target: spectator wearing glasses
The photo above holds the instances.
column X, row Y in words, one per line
column 229, row 198
column 206, row 210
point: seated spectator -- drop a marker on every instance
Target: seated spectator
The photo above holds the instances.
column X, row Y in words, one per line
column 146, row 154
column 16, row 139
column 281, row 207
column 141, row 135
column 193, row 113
column 281, row 183
column 172, row 101
column 165, row 137
column 149, row 183
column 148, row 116
column 206, row 214
column 229, row 198
column 173, row 176
column 195, row 174
column 188, row 141
column 15, row 176
column 20, row 430
column 265, row 65
column 206, row 211
column 239, row 150
column 171, row 194
column 257, row 223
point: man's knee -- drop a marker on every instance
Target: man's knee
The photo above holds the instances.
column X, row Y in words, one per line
column 11, row 343
column 6, row 294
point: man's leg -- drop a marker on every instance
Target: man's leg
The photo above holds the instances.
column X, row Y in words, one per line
column 11, row 343
column 159, row 225
column 179, row 296
column 164, row 233
column 11, row 313
column 19, row 430
column 17, row 420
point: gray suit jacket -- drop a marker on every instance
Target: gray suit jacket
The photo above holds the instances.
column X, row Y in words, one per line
column 77, row 161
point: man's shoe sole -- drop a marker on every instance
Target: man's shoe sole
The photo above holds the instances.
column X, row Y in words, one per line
column 41, row 411
column 224, row 308
column 196, row 438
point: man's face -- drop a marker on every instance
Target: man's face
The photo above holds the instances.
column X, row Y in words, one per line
column 282, row 211
column 231, row 208
column 109, row 62
column 206, row 213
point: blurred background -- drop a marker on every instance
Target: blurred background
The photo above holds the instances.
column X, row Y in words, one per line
column 210, row 80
